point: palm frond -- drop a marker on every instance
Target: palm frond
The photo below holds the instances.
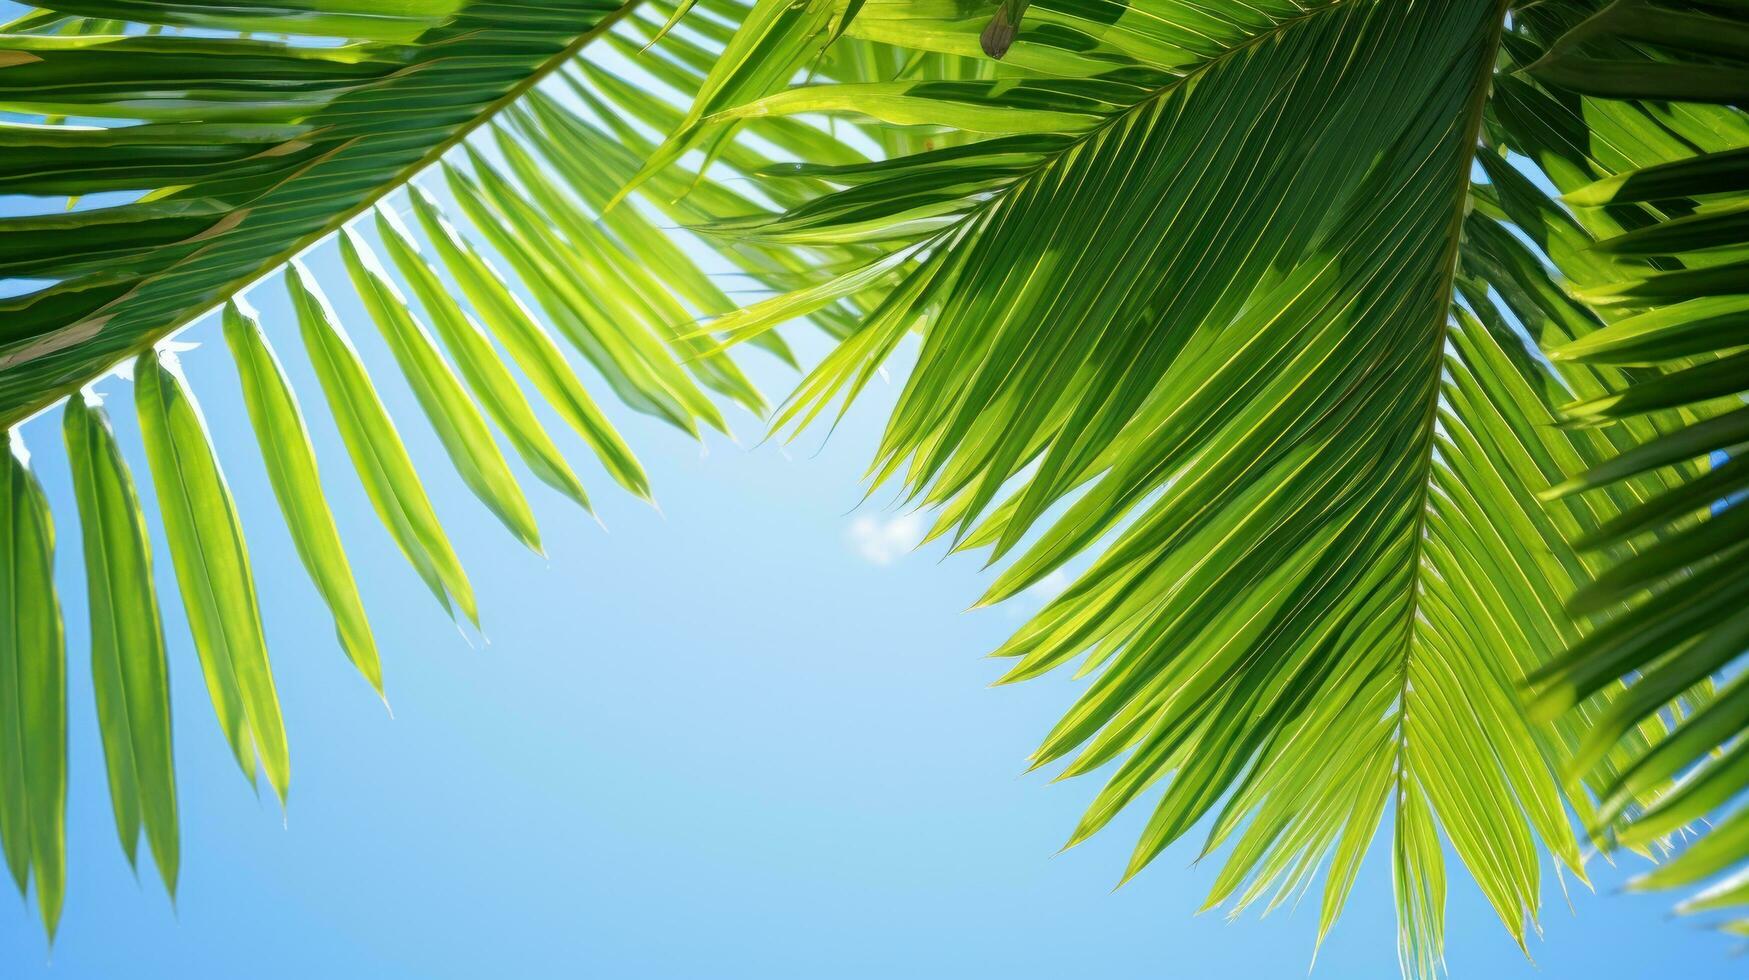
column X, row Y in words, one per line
column 292, row 139
column 1680, row 305
column 181, row 152
column 297, row 485
column 212, row 568
column 1209, row 294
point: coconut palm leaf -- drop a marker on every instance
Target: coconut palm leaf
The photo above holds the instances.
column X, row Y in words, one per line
column 1682, row 296
column 1239, row 304
column 129, row 676
column 181, row 152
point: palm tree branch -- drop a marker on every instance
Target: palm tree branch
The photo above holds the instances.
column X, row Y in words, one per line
column 22, row 405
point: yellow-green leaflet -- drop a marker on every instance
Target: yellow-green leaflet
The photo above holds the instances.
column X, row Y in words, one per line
column 291, row 468
column 620, row 329
column 533, row 348
column 33, row 691
column 534, row 253
column 376, row 449
column 453, row 415
column 479, row 364
column 212, row 568
column 628, row 284
column 128, row 672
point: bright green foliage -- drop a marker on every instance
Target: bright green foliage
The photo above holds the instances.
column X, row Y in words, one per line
column 250, row 148
column 373, row 20
column 457, row 420
column 212, row 569
column 128, row 672
column 376, row 448
column 291, row 469
column 533, row 349
column 488, row 376
column 33, row 690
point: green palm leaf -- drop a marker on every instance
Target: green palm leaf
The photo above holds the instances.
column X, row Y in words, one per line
column 490, row 380
column 1210, row 292
column 459, row 424
column 291, row 469
column 378, row 454
column 233, row 137
column 321, row 132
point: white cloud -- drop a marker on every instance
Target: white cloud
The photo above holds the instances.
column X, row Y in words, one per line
column 1046, row 589
column 1037, row 595
column 882, row 542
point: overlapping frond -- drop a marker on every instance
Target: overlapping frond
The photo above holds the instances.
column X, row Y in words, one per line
column 1673, row 241
column 181, row 152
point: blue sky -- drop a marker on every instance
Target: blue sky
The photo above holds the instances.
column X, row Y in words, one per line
column 748, row 736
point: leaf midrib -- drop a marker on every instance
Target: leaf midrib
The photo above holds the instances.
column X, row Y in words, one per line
column 1418, row 555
